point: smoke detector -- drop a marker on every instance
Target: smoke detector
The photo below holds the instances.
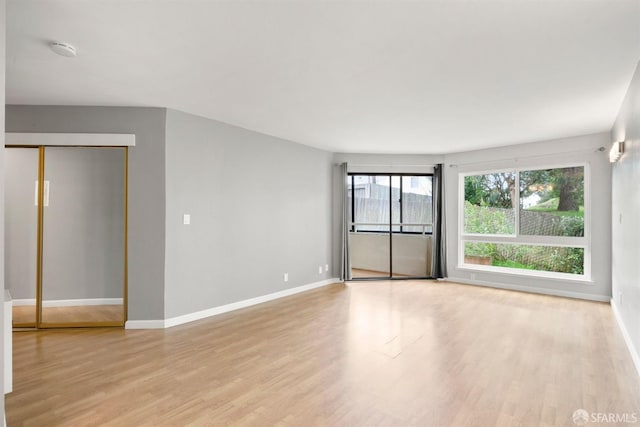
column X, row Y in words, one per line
column 63, row 49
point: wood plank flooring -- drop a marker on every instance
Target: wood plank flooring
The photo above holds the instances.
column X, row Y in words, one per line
column 361, row 273
column 402, row 353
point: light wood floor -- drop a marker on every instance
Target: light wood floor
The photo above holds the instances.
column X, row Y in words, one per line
column 361, row 273
column 72, row 314
column 378, row 353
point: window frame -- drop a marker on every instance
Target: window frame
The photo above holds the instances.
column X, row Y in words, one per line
column 390, row 175
column 583, row 242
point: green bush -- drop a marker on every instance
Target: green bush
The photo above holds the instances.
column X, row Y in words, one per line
column 483, row 220
column 572, row 226
column 541, row 258
column 480, row 249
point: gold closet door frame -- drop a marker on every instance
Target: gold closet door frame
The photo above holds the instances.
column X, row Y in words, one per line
column 39, row 324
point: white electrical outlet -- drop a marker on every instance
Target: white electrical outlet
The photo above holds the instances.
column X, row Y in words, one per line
column 326, row 267
column 286, row 277
column 186, row 219
column 319, row 269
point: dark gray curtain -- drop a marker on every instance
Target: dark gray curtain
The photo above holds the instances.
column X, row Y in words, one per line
column 345, row 256
column 439, row 252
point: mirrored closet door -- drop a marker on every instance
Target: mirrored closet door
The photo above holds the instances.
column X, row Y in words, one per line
column 20, row 232
column 66, row 260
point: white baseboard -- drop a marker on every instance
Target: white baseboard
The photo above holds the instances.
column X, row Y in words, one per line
column 144, row 324
column 70, row 302
column 185, row 318
column 542, row 291
column 627, row 338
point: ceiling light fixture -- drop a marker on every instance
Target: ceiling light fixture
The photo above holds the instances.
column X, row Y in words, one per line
column 617, row 150
column 63, row 49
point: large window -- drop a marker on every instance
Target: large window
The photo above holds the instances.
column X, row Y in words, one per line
column 525, row 220
column 380, row 200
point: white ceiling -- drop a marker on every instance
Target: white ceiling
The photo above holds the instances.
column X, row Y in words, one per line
column 346, row 76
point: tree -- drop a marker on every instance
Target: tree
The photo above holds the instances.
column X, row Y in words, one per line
column 568, row 181
column 565, row 184
column 473, row 189
column 496, row 190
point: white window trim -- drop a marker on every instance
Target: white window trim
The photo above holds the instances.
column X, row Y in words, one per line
column 563, row 241
column 549, row 275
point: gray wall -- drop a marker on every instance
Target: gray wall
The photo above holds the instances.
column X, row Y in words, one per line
column 260, row 206
column 2, row 119
column 543, row 154
column 625, row 209
column 146, row 185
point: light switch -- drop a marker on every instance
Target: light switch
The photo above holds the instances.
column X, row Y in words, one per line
column 186, row 219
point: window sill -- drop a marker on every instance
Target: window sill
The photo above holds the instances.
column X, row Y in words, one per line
column 561, row 277
column 386, row 233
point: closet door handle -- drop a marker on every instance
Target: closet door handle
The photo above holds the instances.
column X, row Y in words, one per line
column 46, row 194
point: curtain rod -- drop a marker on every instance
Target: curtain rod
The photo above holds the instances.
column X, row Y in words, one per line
column 597, row 150
column 386, row 166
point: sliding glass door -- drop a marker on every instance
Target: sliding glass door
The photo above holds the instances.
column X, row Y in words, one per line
column 371, row 212
column 411, row 241
column 391, row 226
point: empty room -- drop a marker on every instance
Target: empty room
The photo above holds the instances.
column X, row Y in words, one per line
column 320, row 213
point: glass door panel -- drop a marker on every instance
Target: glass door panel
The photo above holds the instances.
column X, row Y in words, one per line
column 83, row 237
column 21, row 228
column 370, row 232
column 411, row 242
